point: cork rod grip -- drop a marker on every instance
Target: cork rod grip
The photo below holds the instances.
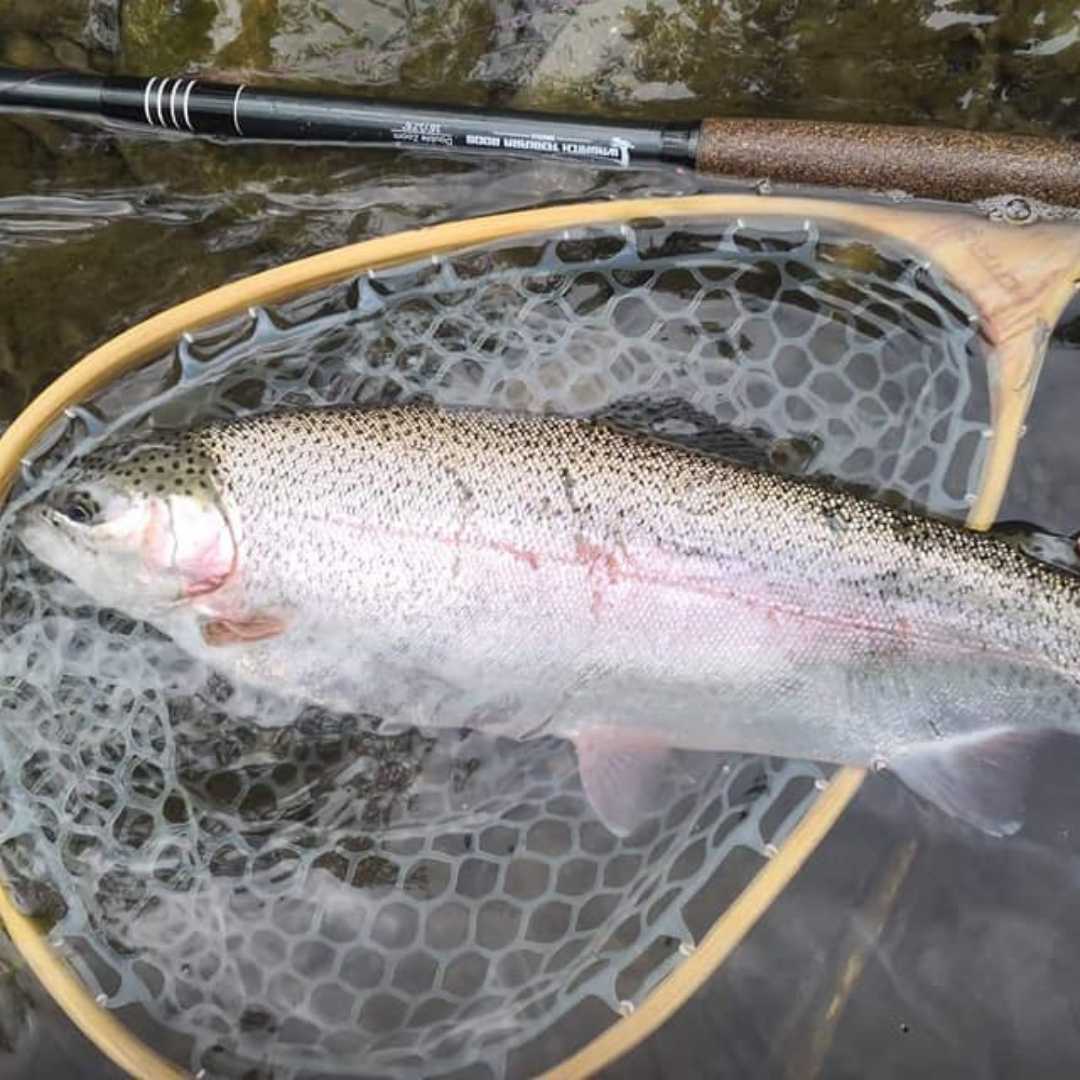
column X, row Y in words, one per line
column 935, row 163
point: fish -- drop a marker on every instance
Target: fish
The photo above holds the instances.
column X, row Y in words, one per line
column 539, row 576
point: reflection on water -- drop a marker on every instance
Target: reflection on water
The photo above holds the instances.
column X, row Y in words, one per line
column 968, row 963
column 971, row 976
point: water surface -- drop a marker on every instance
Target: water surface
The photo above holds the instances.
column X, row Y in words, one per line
column 969, row 965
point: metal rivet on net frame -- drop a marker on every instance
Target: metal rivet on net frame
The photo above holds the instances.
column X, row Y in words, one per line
column 1018, row 211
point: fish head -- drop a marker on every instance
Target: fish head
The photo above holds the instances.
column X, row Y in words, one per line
column 140, row 527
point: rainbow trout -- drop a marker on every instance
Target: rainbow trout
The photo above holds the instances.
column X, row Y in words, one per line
column 536, row 576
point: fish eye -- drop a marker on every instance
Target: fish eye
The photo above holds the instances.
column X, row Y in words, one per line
column 79, row 508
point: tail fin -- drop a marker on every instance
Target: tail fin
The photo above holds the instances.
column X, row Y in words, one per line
column 980, row 779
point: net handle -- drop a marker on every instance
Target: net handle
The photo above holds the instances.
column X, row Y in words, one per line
column 984, row 258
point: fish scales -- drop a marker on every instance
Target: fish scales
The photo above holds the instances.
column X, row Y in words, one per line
column 556, row 575
column 590, row 552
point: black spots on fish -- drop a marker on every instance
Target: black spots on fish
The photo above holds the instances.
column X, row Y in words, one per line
column 697, row 501
column 548, row 509
column 838, row 518
column 167, row 463
column 464, row 489
column 566, row 478
column 912, row 529
column 890, row 586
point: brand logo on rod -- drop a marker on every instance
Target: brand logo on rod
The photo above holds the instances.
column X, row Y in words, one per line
column 616, row 150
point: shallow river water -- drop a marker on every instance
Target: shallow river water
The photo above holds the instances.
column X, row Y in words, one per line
column 970, row 969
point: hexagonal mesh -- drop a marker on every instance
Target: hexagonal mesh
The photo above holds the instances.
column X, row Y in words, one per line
column 266, row 885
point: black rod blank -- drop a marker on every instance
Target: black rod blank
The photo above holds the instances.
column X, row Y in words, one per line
column 932, row 162
column 247, row 112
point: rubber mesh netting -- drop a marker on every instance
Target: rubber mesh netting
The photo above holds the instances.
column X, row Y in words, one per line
column 263, row 885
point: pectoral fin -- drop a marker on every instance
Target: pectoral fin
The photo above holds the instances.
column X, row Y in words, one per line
column 218, row 632
column 620, row 773
column 980, row 779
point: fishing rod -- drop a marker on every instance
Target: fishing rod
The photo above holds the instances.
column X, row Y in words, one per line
column 942, row 163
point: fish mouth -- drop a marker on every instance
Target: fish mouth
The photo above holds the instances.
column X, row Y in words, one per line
column 46, row 534
column 39, row 516
column 32, row 527
column 69, row 552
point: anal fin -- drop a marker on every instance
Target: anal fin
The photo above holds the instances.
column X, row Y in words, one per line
column 979, row 779
column 620, row 773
